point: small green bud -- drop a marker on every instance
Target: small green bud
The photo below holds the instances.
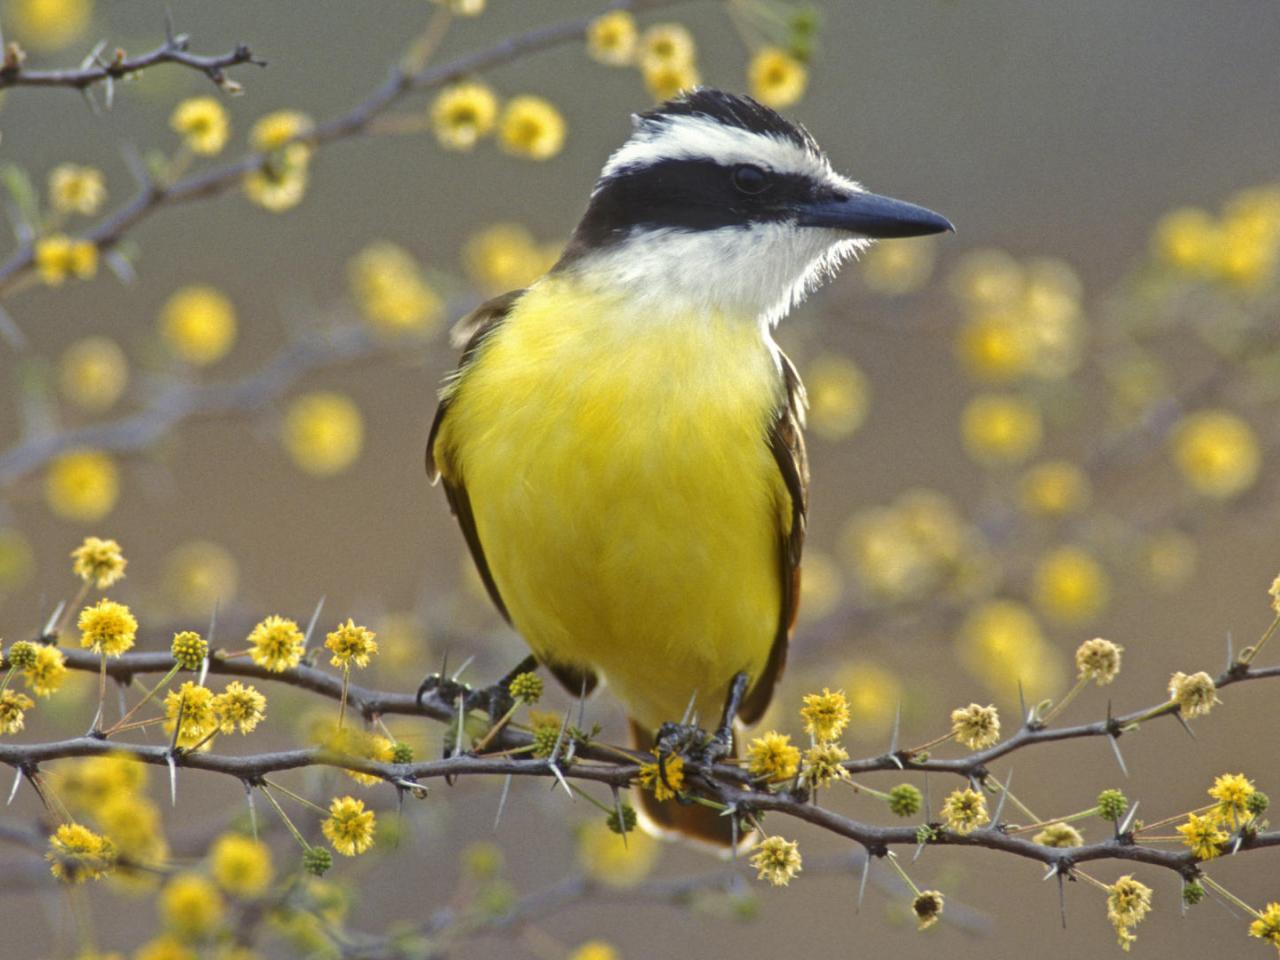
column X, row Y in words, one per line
column 925, row 833
column 544, row 740
column 317, row 860
column 905, row 800
column 526, row 687
column 189, row 649
column 805, row 22
column 22, row 654
column 1192, row 893
column 626, row 824
column 401, row 753
column 1256, row 804
column 1112, row 804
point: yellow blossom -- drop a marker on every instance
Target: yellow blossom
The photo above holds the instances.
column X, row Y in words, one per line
column 1059, row 835
column 1098, row 660
column 612, row 859
column 1267, row 925
column 776, row 78
column 825, row 714
column 927, row 908
column 1217, row 453
column 1000, row 429
column 191, row 906
column 98, row 561
column 239, row 705
column 133, row 824
column 275, row 130
column 351, row 644
column 772, row 757
column 82, row 485
column 665, row 778
column 165, row 947
column 77, row 854
column 198, row 324
column 323, row 432
column 965, row 810
column 281, row 182
column 107, row 627
column 199, row 720
column 463, row 113
column 823, row 763
column 241, row 865
column 349, row 827
column 1002, row 644
column 1070, row 586
column 58, row 257
column 776, row 860
column 277, row 644
column 611, row 38
column 894, row 269
column 667, row 45
column 390, row 290
column 75, row 189
column 1055, row 488
column 92, row 373
column 1274, row 593
column 994, row 346
column 1188, row 240
column 202, row 122
column 1203, row 836
column 1128, row 902
column 668, row 80
column 1232, row 791
column 975, row 726
column 531, row 127
column 198, row 575
column 1194, row 694
column 45, row 25
column 13, row 707
column 504, row 257
column 839, row 396
column 595, row 950
column 45, row 675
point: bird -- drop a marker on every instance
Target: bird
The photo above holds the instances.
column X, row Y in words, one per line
column 621, row 442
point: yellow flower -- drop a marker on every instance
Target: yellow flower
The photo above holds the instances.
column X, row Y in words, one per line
column 894, row 269
column 667, row 45
column 1188, row 240
column 975, row 726
column 772, row 757
column 1070, row 586
column 13, row 707
column 1055, row 488
column 776, row 78
column 668, row 80
column 1128, row 902
column 965, row 810
column 275, row 130
column 351, row 644
column 595, row 950
column 874, row 695
column 323, row 432
column 361, row 744
column 1217, row 453
column 927, row 908
column 839, row 396
column 241, row 865
column 191, row 906
column 390, row 290
column 776, row 860
column 82, row 485
column 93, row 373
column 823, row 763
column 198, row 325
column 825, row 714
column 1059, row 835
column 1274, row 593
column 196, row 704
column 74, row 189
column 98, row 561
column 609, row 858
column 165, row 947
column 107, row 627
column 1232, row 791
column 1267, row 925
column 611, row 38
column 463, row 113
column 48, row 24
column 239, row 705
column 665, row 778
column 1002, row 644
column 202, row 122
column 504, row 257
column 77, row 854
column 132, row 823
column 1000, row 429
column 200, row 574
column 1194, row 694
column 45, row 675
column 277, row 644
column 1203, row 836
column 531, row 127
column 281, row 182
column 58, row 257
column 994, row 346
column 1099, row 660
column 349, row 826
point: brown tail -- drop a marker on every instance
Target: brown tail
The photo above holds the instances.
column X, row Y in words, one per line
column 671, row 819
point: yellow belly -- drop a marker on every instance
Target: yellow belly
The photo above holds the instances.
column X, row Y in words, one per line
column 624, row 492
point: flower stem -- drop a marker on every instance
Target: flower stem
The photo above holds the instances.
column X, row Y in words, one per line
column 141, row 703
column 1227, row 895
column 285, row 817
column 893, row 860
column 1246, row 656
column 1065, row 701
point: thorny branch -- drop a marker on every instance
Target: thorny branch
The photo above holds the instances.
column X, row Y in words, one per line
column 614, row 767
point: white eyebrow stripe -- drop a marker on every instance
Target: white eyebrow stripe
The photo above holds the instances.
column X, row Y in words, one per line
column 692, row 137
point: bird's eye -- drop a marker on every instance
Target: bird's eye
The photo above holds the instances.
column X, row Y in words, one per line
column 749, row 178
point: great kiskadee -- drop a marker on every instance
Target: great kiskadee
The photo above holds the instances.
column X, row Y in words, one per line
column 621, row 442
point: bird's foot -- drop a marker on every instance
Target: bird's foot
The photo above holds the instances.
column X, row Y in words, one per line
column 495, row 699
column 691, row 741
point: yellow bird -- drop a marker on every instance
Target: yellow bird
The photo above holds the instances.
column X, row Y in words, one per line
column 621, row 442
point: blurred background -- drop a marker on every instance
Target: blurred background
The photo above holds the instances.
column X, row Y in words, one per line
column 1059, row 423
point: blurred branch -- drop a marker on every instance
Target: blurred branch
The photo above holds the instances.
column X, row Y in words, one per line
column 175, row 49
column 212, row 183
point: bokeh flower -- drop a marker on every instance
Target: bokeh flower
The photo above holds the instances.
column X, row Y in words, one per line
column 776, row 78
column 82, row 485
column 531, row 127
column 323, row 432
column 611, row 38
column 76, row 189
column 464, row 113
column 203, row 124
column 93, row 373
column 100, row 562
column 1217, row 453
column 241, row 865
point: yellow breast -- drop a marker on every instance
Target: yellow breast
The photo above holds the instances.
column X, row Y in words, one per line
column 624, row 492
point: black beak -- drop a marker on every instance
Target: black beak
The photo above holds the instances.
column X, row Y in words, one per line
column 869, row 215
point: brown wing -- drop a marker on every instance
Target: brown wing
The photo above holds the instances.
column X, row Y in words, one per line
column 786, row 441
column 470, row 333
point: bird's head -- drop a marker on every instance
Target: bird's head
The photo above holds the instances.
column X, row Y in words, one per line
column 719, row 203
